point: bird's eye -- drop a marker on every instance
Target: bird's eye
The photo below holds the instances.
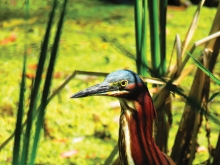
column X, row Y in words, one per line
column 123, row 83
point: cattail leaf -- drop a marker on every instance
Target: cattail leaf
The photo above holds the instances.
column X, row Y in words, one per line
column 192, row 27
column 143, row 53
column 111, row 156
column 140, row 11
column 206, row 71
column 163, row 18
column 18, row 128
column 214, row 29
column 154, row 36
column 213, row 96
column 178, row 52
column 34, row 92
column 47, row 83
column 138, row 24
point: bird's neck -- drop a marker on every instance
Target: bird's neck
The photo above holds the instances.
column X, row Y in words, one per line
column 136, row 142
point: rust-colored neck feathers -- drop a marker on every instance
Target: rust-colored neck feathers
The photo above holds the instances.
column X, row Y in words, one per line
column 136, row 142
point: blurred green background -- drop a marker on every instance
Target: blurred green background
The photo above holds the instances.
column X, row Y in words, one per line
column 86, row 129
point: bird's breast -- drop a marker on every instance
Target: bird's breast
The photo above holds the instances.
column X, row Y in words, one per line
column 125, row 133
column 125, row 141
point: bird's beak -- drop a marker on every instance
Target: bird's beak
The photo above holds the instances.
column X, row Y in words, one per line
column 102, row 89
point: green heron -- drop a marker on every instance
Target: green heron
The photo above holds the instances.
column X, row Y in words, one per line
column 136, row 142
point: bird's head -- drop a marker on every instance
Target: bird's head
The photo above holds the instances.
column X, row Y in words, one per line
column 121, row 84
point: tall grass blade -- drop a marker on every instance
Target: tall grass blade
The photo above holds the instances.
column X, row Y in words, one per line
column 111, row 156
column 206, row 71
column 154, row 35
column 143, row 52
column 179, row 57
column 192, row 27
column 163, row 18
column 213, row 96
column 35, row 90
column 215, row 29
column 140, row 34
column 138, row 25
column 48, row 80
column 18, row 128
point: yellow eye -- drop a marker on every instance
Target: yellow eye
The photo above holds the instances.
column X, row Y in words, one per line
column 123, row 83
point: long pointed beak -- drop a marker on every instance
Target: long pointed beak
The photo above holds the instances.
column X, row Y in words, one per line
column 102, row 89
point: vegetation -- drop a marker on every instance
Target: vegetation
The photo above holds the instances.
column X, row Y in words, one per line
column 84, row 131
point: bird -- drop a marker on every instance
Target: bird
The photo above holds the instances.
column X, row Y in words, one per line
column 136, row 140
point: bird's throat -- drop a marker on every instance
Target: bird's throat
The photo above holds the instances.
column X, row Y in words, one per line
column 136, row 142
